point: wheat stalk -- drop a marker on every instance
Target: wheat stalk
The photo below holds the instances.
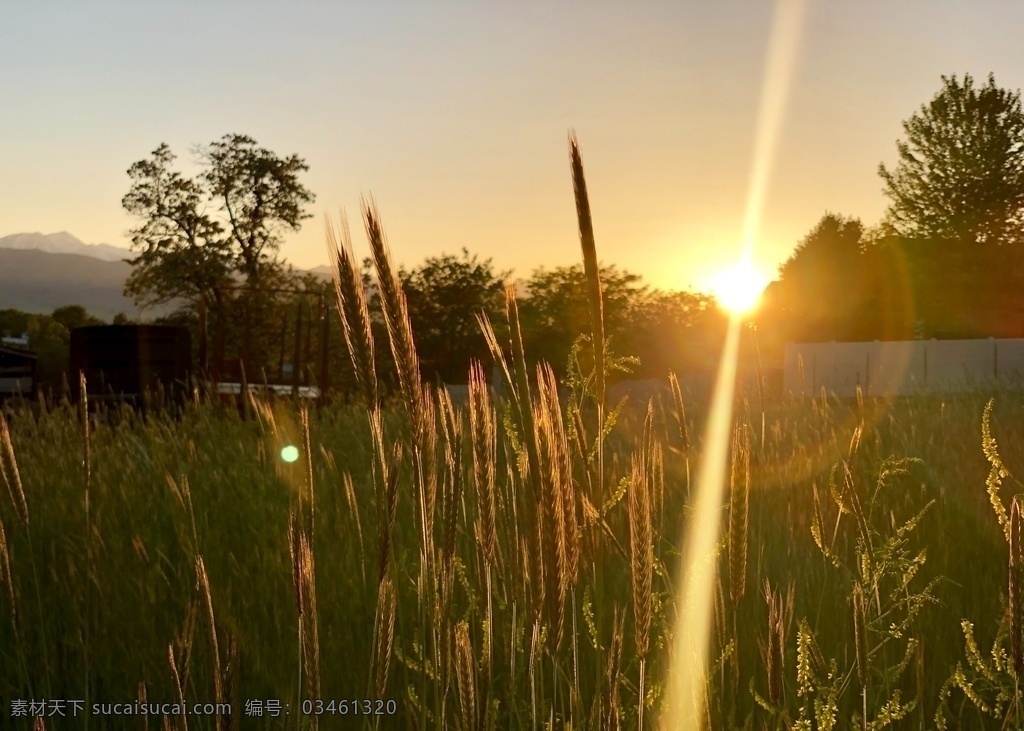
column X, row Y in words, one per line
column 12, row 480
column 295, row 553
column 562, row 528
column 425, row 478
column 203, row 583
column 310, row 620
column 385, row 634
column 677, row 397
column 353, row 309
column 451, row 430
column 178, row 685
column 641, row 544
column 860, row 634
column 484, row 441
column 87, row 473
column 465, row 674
column 499, row 355
column 773, row 653
column 304, row 584
column 141, row 695
column 483, row 436
column 5, row 571
column 609, row 718
column 590, row 265
column 739, row 502
column 353, row 509
column 387, row 468
column 396, row 317
column 1014, row 592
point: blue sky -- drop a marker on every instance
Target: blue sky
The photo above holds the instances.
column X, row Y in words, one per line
column 454, row 115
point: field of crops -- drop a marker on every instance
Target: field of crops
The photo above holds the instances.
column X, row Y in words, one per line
column 184, row 559
column 403, row 561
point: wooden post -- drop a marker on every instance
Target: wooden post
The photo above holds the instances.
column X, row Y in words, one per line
column 219, row 358
column 280, row 360
column 307, row 357
column 297, row 362
column 325, row 337
column 203, row 355
column 244, row 390
column 246, row 330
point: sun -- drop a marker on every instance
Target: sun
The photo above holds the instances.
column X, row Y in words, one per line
column 738, row 288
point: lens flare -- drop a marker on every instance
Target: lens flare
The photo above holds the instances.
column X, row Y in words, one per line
column 738, row 288
column 685, row 697
column 289, row 453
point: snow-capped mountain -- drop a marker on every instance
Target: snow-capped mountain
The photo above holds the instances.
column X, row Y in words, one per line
column 64, row 243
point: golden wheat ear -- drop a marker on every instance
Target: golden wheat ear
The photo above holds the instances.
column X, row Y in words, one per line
column 590, row 265
column 396, row 316
column 352, row 308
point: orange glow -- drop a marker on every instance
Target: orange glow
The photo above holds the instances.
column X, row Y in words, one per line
column 738, row 288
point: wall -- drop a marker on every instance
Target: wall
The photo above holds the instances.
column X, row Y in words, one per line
column 902, row 368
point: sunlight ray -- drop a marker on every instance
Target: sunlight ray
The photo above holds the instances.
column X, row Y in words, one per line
column 685, row 702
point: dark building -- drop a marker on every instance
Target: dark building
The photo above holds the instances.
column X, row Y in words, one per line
column 17, row 373
column 130, row 362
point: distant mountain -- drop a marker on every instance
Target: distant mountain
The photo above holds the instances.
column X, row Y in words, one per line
column 39, row 273
column 40, row 282
column 63, row 243
column 324, row 271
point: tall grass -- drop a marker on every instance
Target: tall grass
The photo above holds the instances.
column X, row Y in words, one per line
column 507, row 563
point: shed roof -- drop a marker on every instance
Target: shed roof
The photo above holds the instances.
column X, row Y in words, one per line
column 18, row 352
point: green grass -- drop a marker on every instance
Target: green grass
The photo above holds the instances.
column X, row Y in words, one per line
column 103, row 607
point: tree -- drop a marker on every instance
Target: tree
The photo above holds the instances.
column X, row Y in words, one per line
column 72, row 316
column 51, row 342
column 182, row 253
column 259, row 193
column 556, row 311
column 445, row 294
column 185, row 252
column 678, row 331
column 823, row 290
column 960, row 175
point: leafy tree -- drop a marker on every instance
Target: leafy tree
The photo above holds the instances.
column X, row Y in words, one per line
column 182, row 251
column 51, row 342
column 824, row 290
column 13, row 323
column 259, row 193
column 445, row 294
column 72, row 316
column 556, row 311
column 960, row 175
column 185, row 252
column 678, row 331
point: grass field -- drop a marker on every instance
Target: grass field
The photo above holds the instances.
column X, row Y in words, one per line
column 512, row 562
column 188, row 539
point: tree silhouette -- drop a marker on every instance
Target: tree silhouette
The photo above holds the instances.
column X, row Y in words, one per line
column 556, row 311
column 259, row 193
column 445, row 294
column 72, row 316
column 960, row 175
column 182, row 254
column 187, row 253
column 823, row 290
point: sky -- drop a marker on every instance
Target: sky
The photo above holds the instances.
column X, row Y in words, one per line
column 454, row 116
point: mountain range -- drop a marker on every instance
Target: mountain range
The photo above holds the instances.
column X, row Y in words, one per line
column 63, row 243
column 41, row 272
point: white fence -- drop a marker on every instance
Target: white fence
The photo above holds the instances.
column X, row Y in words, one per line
column 903, row 368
